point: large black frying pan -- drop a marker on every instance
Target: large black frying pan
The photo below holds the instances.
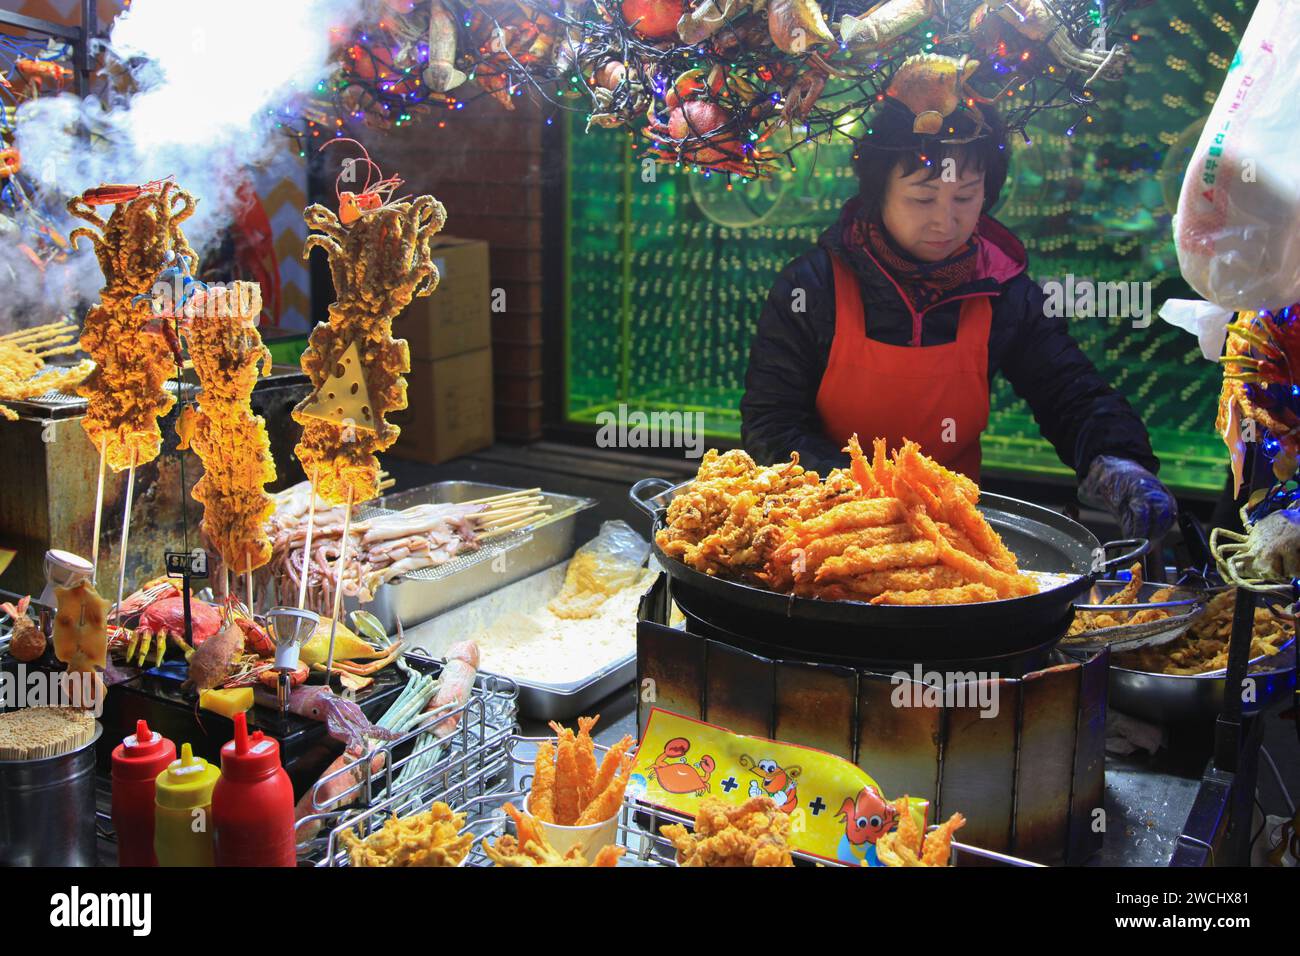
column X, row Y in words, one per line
column 1065, row 556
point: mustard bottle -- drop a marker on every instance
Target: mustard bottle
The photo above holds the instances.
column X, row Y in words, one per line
column 183, row 811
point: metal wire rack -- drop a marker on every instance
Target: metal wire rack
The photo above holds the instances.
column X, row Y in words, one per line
column 638, row 828
column 455, row 755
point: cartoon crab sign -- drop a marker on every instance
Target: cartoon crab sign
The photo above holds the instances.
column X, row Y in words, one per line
column 837, row 811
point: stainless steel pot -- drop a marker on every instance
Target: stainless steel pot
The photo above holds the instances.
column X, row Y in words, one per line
column 1179, row 698
column 47, row 809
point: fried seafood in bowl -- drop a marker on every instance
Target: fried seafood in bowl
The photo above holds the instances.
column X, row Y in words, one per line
column 1203, row 649
column 898, row 529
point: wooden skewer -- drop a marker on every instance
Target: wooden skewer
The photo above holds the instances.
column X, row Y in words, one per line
column 526, row 492
column 126, row 535
column 52, row 330
column 306, row 547
column 510, row 509
column 248, row 582
column 338, row 585
column 506, row 517
column 514, row 526
column 386, row 484
column 99, row 511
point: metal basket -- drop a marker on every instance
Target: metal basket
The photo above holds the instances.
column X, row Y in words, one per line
column 472, row 762
column 638, row 823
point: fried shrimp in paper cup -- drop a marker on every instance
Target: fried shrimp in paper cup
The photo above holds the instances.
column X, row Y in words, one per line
column 590, row 839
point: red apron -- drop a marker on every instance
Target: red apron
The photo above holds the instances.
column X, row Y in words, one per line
column 938, row 396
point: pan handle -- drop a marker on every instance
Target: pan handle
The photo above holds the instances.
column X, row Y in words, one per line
column 1139, row 546
column 644, row 491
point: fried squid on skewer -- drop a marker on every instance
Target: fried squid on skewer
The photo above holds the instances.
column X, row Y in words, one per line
column 229, row 439
column 125, row 391
column 379, row 259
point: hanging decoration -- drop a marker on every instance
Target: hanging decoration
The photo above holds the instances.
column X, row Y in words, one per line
column 709, row 82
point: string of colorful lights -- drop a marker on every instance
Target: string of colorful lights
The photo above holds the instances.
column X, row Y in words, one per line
column 709, row 84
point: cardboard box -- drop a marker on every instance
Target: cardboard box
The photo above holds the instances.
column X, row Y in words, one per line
column 455, row 317
column 448, row 408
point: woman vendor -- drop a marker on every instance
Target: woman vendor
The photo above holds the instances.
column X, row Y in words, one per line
column 895, row 323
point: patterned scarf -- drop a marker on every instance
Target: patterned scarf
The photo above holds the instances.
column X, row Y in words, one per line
column 924, row 283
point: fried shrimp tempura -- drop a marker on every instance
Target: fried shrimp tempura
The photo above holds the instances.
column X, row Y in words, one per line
column 906, row 846
column 938, row 842
column 868, row 513
column 963, row 594
column 856, row 561
column 784, row 529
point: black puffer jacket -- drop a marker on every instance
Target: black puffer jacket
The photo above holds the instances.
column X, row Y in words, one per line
column 1076, row 410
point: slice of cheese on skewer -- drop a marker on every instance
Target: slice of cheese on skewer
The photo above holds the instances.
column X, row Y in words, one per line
column 81, row 628
column 343, row 398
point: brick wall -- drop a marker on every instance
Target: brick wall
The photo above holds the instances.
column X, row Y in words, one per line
column 486, row 166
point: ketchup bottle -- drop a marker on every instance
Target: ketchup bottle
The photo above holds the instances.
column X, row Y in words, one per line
column 137, row 761
column 252, row 805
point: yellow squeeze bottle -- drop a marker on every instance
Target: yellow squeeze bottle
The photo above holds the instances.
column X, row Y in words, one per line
column 182, row 833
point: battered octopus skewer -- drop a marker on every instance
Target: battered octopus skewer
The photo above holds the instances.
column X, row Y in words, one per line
column 124, row 393
column 379, row 259
column 229, row 439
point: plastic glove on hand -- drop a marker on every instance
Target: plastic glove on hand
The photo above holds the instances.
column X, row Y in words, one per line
column 1143, row 506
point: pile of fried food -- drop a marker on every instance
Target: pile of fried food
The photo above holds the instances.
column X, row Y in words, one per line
column 899, row 529
column 754, row 833
column 1085, row 621
column 906, row 845
column 531, row 848
column 432, row 838
column 568, row 788
column 1204, row 647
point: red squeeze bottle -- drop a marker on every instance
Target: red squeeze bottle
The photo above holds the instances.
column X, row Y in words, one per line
column 252, row 804
column 137, row 761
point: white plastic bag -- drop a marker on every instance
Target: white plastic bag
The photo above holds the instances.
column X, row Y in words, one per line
column 1205, row 320
column 1238, row 223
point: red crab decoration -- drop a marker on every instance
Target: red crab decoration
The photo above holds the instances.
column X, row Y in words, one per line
column 156, row 614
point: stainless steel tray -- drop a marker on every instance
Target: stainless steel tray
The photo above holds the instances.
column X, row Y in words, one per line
column 417, row 597
column 537, row 699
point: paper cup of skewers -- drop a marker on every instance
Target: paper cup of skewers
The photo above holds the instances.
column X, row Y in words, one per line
column 574, row 803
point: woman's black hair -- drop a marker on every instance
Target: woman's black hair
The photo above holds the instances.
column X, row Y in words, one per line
column 890, row 142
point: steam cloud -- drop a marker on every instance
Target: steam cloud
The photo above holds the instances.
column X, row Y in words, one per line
column 206, row 77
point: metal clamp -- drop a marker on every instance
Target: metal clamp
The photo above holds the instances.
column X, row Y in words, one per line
column 645, row 502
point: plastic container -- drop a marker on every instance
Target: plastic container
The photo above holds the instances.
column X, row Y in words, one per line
column 253, row 803
column 137, row 762
column 183, row 821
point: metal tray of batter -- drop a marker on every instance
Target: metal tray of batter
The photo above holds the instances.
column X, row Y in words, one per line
column 537, row 700
column 415, row 598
